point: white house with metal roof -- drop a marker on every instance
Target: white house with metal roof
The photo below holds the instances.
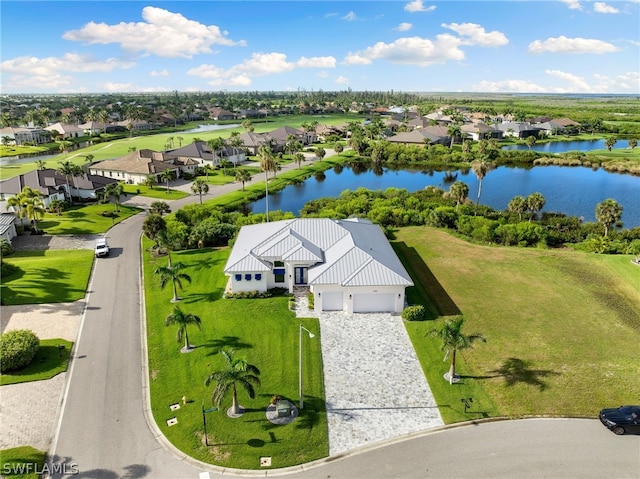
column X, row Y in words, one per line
column 348, row 265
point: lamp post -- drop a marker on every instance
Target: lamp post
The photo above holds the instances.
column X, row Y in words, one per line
column 311, row 335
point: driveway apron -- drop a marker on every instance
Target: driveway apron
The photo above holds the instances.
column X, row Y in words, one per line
column 374, row 385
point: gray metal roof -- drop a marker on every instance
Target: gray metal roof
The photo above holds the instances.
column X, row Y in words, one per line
column 345, row 252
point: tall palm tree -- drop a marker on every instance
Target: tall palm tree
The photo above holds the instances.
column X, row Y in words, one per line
column 299, row 158
column 200, row 187
column 480, row 169
column 34, row 207
column 459, row 192
column 183, row 320
column 235, row 371
column 454, row 340
column 167, row 176
column 453, row 131
column 69, row 170
column 216, row 144
column 115, row 191
column 535, row 202
column 243, row 176
column 608, row 213
column 174, row 275
column 267, row 163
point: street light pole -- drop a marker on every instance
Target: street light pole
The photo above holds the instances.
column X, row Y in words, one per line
column 311, row 335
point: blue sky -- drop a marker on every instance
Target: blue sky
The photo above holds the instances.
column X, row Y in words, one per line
column 563, row 46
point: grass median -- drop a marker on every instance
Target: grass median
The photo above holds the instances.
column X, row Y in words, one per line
column 262, row 331
column 561, row 327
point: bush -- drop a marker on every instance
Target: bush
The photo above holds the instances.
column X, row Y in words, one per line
column 17, row 349
column 413, row 313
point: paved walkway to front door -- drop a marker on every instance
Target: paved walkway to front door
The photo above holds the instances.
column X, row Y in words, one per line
column 374, row 386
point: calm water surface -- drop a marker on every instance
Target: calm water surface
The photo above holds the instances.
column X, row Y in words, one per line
column 565, row 146
column 571, row 190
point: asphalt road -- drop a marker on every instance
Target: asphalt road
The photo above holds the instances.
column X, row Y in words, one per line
column 104, row 434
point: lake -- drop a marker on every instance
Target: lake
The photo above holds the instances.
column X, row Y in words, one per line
column 574, row 191
column 203, row 128
column 565, row 146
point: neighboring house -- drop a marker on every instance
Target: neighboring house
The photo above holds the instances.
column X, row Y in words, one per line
column 52, row 186
column 252, row 142
column 8, row 226
column 199, row 153
column 66, row 131
column 422, row 136
column 136, row 125
column 517, row 129
column 217, row 113
column 348, row 265
column 324, row 131
column 480, row 131
column 21, row 135
column 135, row 167
column 93, row 127
column 558, row 125
column 281, row 135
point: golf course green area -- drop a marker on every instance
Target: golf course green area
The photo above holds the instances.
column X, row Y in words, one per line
column 261, row 331
column 561, row 326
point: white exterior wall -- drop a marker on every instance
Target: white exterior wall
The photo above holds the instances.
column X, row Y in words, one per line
column 249, row 285
column 129, row 178
column 349, row 293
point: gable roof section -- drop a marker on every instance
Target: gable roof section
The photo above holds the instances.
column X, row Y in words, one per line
column 347, row 252
column 143, row 162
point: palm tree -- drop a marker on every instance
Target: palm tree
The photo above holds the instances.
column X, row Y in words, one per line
column 150, row 181
column 41, row 164
column 453, row 340
column 453, row 131
column 200, row 187
column 34, row 207
column 174, row 275
column 459, row 192
column 153, row 225
column 167, row 176
column 535, row 202
column 247, row 125
column 320, row 152
column 267, row 163
column 159, row 208
column 216, row 144
column 243, row 176
column 610, row 143
column 299, row 158
column 69, row 169
column 57, row 206
column 115, row 191
column 236, row 371
column 633, row 143
column 480, row 169
column 530, row 141
column 183, row 320
column 518, row 204
column 608, row 213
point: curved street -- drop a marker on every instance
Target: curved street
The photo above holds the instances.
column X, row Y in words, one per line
column 104, row 432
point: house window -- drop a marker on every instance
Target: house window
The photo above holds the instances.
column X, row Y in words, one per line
column 258, row 276
column 278, row 263
column 278, row 274
column 238, row 277
column 247, row 277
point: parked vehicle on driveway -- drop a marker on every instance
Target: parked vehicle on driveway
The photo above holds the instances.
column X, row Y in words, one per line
column 621, row 420
column 102, row 248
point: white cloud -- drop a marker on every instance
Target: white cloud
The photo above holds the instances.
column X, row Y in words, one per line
column 577, row 83
column 69, row 62
column 474, row 34
column 161, row 73
column 119, row 87
column 404, row 27
column 418, row 6
column 356, row 59
column 512, row 86
column 342, row 80
column 316, row 62
column 350, row 17
column 563, row 44
column 163, row 33
column 411, row 51
column 573, row 4
column 601, row 7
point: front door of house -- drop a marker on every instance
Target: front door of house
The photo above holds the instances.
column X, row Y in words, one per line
column 300, row 275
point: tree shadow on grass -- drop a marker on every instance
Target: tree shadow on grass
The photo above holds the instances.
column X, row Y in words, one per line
column 233, row 342
column 209, row 297
column 515, row 370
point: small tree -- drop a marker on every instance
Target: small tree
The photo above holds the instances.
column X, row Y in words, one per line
column 610, row 143
column 173, row 274
column 159, row 208
column 167, row 176
column 454, row 340
column 608, row 213
column 535, row 202
column 200, row 187
column 459, row 192
column 235, row 371
column 183, row 320
column 243, row 176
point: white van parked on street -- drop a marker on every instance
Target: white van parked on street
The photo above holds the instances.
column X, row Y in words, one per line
column 102, row 248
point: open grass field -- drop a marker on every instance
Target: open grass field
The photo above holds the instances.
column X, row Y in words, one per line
column 562, row 327
column 51, row 276
column 265, row 333
column 87, row 219
column 47, row 363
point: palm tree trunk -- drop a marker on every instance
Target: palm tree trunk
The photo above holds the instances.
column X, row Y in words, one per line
column 175, row 293
column 452, row 368
column 235, row 407
column 186, row 338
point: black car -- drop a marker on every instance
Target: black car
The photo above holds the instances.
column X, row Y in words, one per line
column 621, row 420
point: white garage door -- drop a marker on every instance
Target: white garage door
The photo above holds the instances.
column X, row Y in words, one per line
column 332, row 301
column 373, row 302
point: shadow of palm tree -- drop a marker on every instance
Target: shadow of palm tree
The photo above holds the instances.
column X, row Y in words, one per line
column 232, row 342
column 515, row 370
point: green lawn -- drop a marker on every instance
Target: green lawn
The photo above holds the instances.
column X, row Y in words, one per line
column 51, row 276
column 159, row 192
column 87, row 219
column 23, row 459
column 48, row 362
column 265, row 333
column 561, row 326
